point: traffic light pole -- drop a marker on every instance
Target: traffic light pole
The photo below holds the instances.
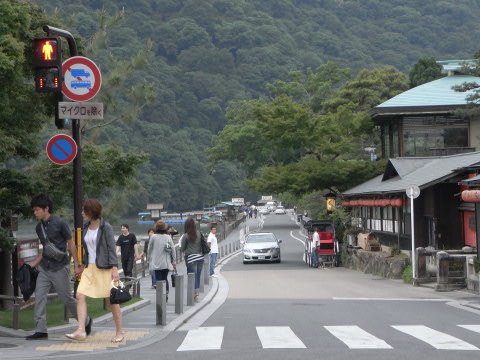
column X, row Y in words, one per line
column 77, row 162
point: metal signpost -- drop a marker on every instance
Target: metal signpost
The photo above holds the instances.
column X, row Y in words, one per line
column 413, row 191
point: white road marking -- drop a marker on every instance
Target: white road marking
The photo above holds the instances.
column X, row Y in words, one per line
column 435, row 338
column 204, row 338
column 296, row 238
column 357, row 338
column 475, row 328
column 386, row 299
column 279, row 337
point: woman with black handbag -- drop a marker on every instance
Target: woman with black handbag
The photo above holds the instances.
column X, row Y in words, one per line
column 161, row 253
column 101, row 268
column 194, row 248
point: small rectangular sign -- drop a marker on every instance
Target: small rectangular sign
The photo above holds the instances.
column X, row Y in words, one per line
column 80, row 110
column 269, row 197
column 155, row 206
column 238, row 200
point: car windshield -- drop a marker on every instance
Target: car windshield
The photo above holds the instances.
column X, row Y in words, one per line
column 252, row 239
column 279, row 207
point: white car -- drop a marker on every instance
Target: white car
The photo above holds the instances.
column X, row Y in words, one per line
column 264, row 211
column 261, row 247
column 280, row 210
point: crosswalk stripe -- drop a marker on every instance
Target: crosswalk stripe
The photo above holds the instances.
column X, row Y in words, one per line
column 435, row 338
column 357, row 338
column 279, row 337
column 203, row 338
column 475, row 328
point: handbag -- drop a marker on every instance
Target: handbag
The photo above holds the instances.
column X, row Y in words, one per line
column 119, row 294
column 173, row 278
column 51, row 250
column 205, row 247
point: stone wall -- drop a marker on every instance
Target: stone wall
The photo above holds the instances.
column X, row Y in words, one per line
column 377, row 263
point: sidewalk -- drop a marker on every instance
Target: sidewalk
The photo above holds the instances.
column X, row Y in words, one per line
column 138, row 320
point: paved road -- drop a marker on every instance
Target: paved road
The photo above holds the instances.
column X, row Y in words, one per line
column 290, row 311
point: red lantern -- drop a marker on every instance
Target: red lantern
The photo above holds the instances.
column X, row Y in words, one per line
column 387, row 202
column 383, row 202
column 346, row 203
column 471, row 195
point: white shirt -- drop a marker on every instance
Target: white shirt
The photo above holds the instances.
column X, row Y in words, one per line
column 212, row 239
column 91, row 241
column 315, row 239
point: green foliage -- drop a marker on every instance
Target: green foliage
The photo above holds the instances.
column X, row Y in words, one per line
column 104, row 167
column 407, row 274
column 425, row 70
column 395, row 250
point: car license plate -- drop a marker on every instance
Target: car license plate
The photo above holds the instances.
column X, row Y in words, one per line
column 261, row 257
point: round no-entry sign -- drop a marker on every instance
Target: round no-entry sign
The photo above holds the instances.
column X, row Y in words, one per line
column 81, row 78
column 61, row 149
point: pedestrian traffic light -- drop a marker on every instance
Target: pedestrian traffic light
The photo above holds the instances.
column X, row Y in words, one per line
column 47, row 62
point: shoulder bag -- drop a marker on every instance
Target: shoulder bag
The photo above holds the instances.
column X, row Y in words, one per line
column 51, row 250
column 205, row 247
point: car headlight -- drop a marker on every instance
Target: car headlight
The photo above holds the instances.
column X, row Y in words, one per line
column 273, row 249
column 247, row 250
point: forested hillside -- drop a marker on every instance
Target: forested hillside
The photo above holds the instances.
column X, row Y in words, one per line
column 207, row 53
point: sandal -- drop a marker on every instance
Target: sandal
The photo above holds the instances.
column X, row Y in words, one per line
column 116, row 340
column 77, row 335
column 195, row 298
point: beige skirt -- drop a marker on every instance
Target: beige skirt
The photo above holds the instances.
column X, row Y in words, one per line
column 95, row 282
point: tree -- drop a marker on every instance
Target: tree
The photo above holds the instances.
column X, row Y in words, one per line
column 296, row 145
column 425, row 70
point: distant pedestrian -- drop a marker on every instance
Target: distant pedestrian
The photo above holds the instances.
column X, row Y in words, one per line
column 101, row 268
column 255, row 211
column 192, row 249
column 213, row 243
column 127, row 244
column 315, row 247
column 52, row 272
column 150, row 233
column 161, row 254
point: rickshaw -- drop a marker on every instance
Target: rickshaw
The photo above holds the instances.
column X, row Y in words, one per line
column 329, row 251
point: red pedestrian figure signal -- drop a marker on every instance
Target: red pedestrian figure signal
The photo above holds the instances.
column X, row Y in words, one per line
column 47, row 56
column 47, row 50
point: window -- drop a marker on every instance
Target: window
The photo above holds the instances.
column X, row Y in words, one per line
column 423, row 134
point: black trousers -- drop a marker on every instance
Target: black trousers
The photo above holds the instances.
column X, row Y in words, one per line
column 127, row 266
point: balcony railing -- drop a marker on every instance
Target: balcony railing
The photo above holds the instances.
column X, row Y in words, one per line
column 450, row 151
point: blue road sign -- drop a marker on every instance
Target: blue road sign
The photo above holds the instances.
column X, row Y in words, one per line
column 61, row 149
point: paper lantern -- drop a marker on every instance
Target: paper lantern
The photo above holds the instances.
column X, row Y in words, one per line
column 471, row 195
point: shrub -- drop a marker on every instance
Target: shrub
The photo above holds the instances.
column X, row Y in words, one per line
column 407, row 274
column 395, row 250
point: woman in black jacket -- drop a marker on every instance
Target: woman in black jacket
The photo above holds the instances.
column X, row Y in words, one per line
column 101, row 268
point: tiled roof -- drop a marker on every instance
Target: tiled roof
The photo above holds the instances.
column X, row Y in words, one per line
column 435, row 93
column 423, row 172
